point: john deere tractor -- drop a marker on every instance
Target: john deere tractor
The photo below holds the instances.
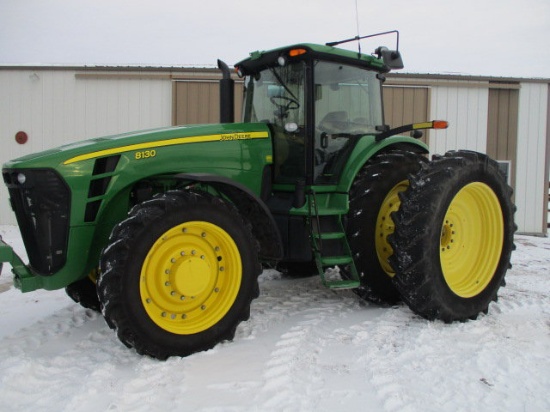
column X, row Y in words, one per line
column 166, row 231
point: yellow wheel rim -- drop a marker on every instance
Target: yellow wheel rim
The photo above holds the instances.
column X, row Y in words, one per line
column 385, row 225
column 190, row 278
column 471, row 240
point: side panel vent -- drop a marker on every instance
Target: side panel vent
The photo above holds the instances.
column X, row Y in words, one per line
column 99, row 185
column 91, row 211
column 106, row 165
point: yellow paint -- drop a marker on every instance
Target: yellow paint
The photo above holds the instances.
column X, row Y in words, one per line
column 425, row 125
column 169, row 142
column 385, row 226
column 472, row 235
column 190, row 278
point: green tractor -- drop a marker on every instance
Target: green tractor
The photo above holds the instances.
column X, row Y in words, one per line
column 166, row 231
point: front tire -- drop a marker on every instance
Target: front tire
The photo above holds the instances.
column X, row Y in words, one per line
column 179, row 274
column 84, row 292
column 453, row 237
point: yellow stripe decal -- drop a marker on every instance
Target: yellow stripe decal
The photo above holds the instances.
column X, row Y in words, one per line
column 226, row 137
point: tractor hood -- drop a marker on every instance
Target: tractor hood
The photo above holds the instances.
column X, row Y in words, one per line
column 136, row 141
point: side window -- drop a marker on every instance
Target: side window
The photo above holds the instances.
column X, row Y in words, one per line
column 347, row 105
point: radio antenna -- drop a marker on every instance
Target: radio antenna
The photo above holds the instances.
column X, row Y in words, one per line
column 357, row 38
column 357, row 24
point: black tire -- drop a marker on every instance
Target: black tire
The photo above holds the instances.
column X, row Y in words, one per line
column 84, row 292
column 207, row 287
column 298, row 269
column 453, row 237
column 368, row 208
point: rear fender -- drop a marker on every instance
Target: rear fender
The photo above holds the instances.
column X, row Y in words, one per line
column 367, row 148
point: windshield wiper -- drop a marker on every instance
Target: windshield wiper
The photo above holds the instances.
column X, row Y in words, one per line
column 282, row 83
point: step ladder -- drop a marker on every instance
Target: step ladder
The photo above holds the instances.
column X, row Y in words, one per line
column 330, row 246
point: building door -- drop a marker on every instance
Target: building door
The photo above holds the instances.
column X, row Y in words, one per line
column 502, row 129
column 198, row 101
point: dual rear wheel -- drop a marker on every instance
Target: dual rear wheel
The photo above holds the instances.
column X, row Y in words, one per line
column 442, row 235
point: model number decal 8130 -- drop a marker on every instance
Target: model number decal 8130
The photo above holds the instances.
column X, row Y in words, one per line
column 145, row 154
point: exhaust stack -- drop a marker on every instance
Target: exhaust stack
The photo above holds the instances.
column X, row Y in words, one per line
column 227, row 92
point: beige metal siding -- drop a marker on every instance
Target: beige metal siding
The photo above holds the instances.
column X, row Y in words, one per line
column 502, row 128
column 405, row 105
column 198, row 102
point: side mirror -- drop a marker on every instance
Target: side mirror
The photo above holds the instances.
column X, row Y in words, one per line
column 391, row 58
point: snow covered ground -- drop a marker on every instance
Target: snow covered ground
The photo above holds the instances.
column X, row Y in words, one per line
column 305, row 348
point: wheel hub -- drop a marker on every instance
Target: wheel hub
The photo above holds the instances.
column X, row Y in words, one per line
column 472, row 234
column 190, row 277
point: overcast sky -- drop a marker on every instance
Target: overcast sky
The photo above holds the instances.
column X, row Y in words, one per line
column 471, row 37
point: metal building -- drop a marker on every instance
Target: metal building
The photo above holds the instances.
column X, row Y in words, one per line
column 507, row 118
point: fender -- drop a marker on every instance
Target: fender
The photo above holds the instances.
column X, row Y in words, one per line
column 250, row 206
column 367, row 147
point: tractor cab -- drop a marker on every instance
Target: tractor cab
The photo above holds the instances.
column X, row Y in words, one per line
column 317, row 101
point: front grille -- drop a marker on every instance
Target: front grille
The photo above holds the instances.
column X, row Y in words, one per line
column 41, row 201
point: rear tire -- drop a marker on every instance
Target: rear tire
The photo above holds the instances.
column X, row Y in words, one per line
column 179, row 274
column 453, row 237
column 373, row 196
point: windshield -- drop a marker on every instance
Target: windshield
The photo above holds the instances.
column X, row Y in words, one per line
column 275, row 96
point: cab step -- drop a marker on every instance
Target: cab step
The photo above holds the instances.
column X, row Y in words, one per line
column 336, row 261
column 330, row 246
column 342, row 284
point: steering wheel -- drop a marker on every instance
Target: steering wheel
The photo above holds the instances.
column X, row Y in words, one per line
column 284, row 103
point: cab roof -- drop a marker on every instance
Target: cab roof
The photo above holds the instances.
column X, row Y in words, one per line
column 259, row 60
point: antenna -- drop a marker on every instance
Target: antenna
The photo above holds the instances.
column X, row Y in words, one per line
column 357, row 24
column 357, row 38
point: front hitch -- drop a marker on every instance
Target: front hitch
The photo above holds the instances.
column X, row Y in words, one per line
column 19, row 269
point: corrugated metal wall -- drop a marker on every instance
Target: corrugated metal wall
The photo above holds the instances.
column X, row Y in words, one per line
column 466, row 109
column 56, row 106
column 198, row 102
column 502, row 129
column 406, row 105
column 533, row 141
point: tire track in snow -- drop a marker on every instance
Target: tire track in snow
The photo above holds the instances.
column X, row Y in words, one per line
column 298, row 357
column 35, row 361
column 413, row 368
column 293, row 352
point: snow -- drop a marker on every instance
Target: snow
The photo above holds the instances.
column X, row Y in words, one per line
column 305, row 348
